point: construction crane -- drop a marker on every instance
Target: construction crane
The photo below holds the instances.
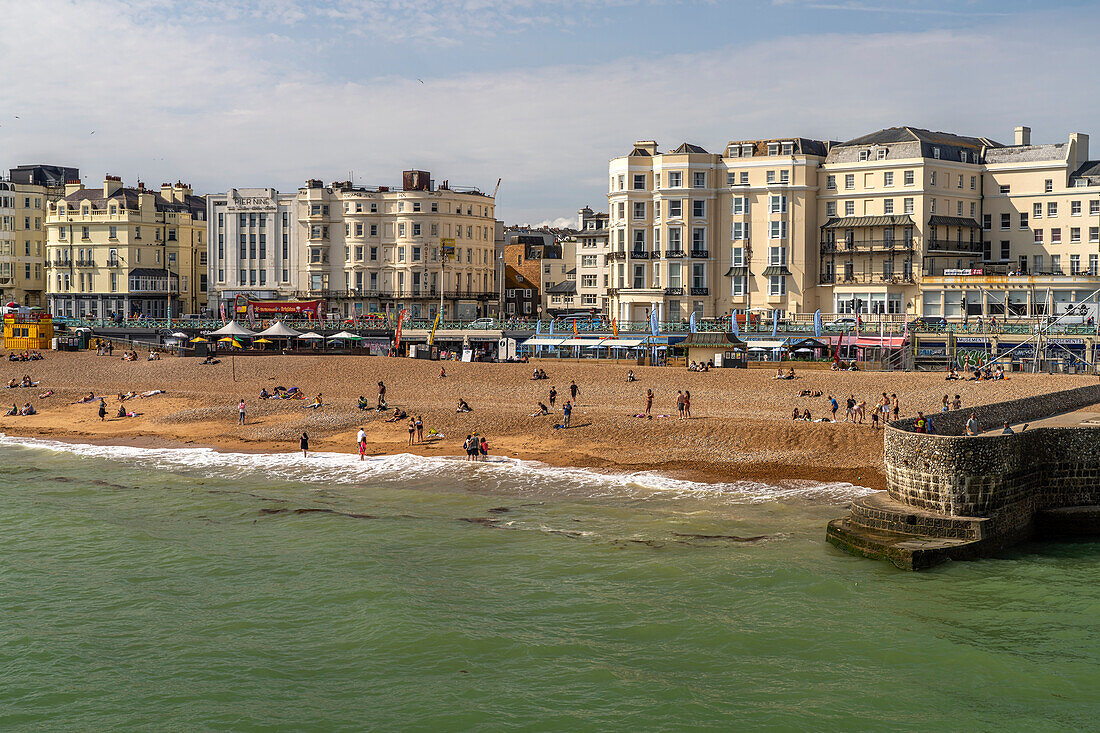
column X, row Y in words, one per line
column 496, row 188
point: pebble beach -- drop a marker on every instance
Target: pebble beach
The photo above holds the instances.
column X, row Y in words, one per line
column 741, row 423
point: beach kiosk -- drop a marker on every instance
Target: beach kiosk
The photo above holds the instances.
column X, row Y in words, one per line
column 28, row 331
column 721, row 349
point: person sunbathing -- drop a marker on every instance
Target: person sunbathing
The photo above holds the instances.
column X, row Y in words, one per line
column 790, row 374
column 796, row 415
column 27, row 381
column 463, row 407
column 630, row 376
column 127, row 396
column 398, row 414
column 264, row 394
column 121, row 411
column 90, row 397
column 363, row 403
column 543, row 410
column 317, row 403
column 44, row 395
column 442, row 374
column 151, row 393
column 13, row 384
column 210, row 360
column 806, row 416
column 28, row 409
column 13, row 411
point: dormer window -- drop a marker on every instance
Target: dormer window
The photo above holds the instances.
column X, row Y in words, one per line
column 863, row 155
column 788, row 148
column 61, row 209
column 936, row 153
column 773, row 148
column 114, row 209
column 962, row 156
column 882, row 154
column 746, row 151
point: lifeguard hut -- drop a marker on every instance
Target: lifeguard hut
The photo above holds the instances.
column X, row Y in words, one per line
column 28, row 331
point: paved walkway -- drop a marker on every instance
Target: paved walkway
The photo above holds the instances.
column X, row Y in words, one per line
column 1086, row 417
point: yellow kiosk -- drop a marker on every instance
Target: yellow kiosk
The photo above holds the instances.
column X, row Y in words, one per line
column 28, row 331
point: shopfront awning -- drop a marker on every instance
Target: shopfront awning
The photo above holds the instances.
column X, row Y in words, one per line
column 543, row 341
column 765, row 344
column 614, row 343
column 953, row 221
column 887, row 342
column 578, row 342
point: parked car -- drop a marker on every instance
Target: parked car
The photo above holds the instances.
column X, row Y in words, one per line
column 928, row 323
column 482, row 323
column 841, row 324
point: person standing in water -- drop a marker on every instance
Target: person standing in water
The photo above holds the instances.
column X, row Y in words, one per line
column 419, row 429
column 303, row 443
column 361, row 443
column 412, row 430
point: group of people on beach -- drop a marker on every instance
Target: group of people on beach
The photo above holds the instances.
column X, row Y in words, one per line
column 25, row 356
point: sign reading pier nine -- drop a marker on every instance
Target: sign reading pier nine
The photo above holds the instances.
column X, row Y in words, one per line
column 250, row 203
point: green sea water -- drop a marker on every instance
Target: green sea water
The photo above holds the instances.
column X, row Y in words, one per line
column 148, row 590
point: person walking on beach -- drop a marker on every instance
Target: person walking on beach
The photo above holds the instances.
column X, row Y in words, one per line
column 648, row 402
column 419, row 429
column 680, row 404
column 412, row 431
column 381, row 394
column 833, row 406
column 303, row 443
column 850, row 409
column 240, row 413
column 573, row 389
column 687, row 405
column 553, row 396
column 567, row 412
column 102, row 410
column 361, row 442
column 483, row 448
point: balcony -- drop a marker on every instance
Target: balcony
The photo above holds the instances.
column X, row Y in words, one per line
column 867, row 245
column 880, row 278
column 639, row 254
column 944, row 246
column 674, row 253
column 701, row 254
column 612, row 256
column 674, row 291
column 85, row 262
column 700, row 291
column 114, row 263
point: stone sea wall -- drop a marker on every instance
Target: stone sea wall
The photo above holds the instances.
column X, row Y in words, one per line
column 1005, row 478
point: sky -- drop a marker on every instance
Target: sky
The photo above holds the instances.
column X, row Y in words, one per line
column 240, row 93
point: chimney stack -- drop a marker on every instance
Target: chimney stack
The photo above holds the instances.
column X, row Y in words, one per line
column 1080, row 142
column 111, row 186
column 1023, row 135
column 650, row 146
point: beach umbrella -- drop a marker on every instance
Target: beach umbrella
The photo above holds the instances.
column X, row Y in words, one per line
column 232, row 329
column 261, row 341
column 179, row 335
column 345, row 336
column 231, row 340
column 198, row 340
column 311, row 336
column 12, row 304
column 280, row 330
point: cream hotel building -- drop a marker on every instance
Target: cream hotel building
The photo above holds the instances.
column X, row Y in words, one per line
column 902, row 222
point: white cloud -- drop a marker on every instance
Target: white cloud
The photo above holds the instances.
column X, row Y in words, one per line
column 170, row 100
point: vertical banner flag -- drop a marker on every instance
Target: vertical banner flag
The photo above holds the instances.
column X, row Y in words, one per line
column 397, row 340
column 615, row 327
column 881, row 332
column 817, row 323
column 653, row 330
column 733, row 320
column 574, row 326
column 691, row 322
column 431, row 338
column 538, row 332
column 905, row 331
column 775, row 321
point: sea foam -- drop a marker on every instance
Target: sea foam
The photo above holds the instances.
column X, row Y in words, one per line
column 498, row 475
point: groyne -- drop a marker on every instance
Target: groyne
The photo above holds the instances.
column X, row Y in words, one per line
column 952, row 496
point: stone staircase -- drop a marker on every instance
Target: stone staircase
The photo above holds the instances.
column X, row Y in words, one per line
column 912, row 539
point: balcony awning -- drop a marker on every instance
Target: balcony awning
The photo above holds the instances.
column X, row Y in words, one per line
column 953, row 221
column 851, row 222
column 738, row 271
column 543, row 341
column 776, row 270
